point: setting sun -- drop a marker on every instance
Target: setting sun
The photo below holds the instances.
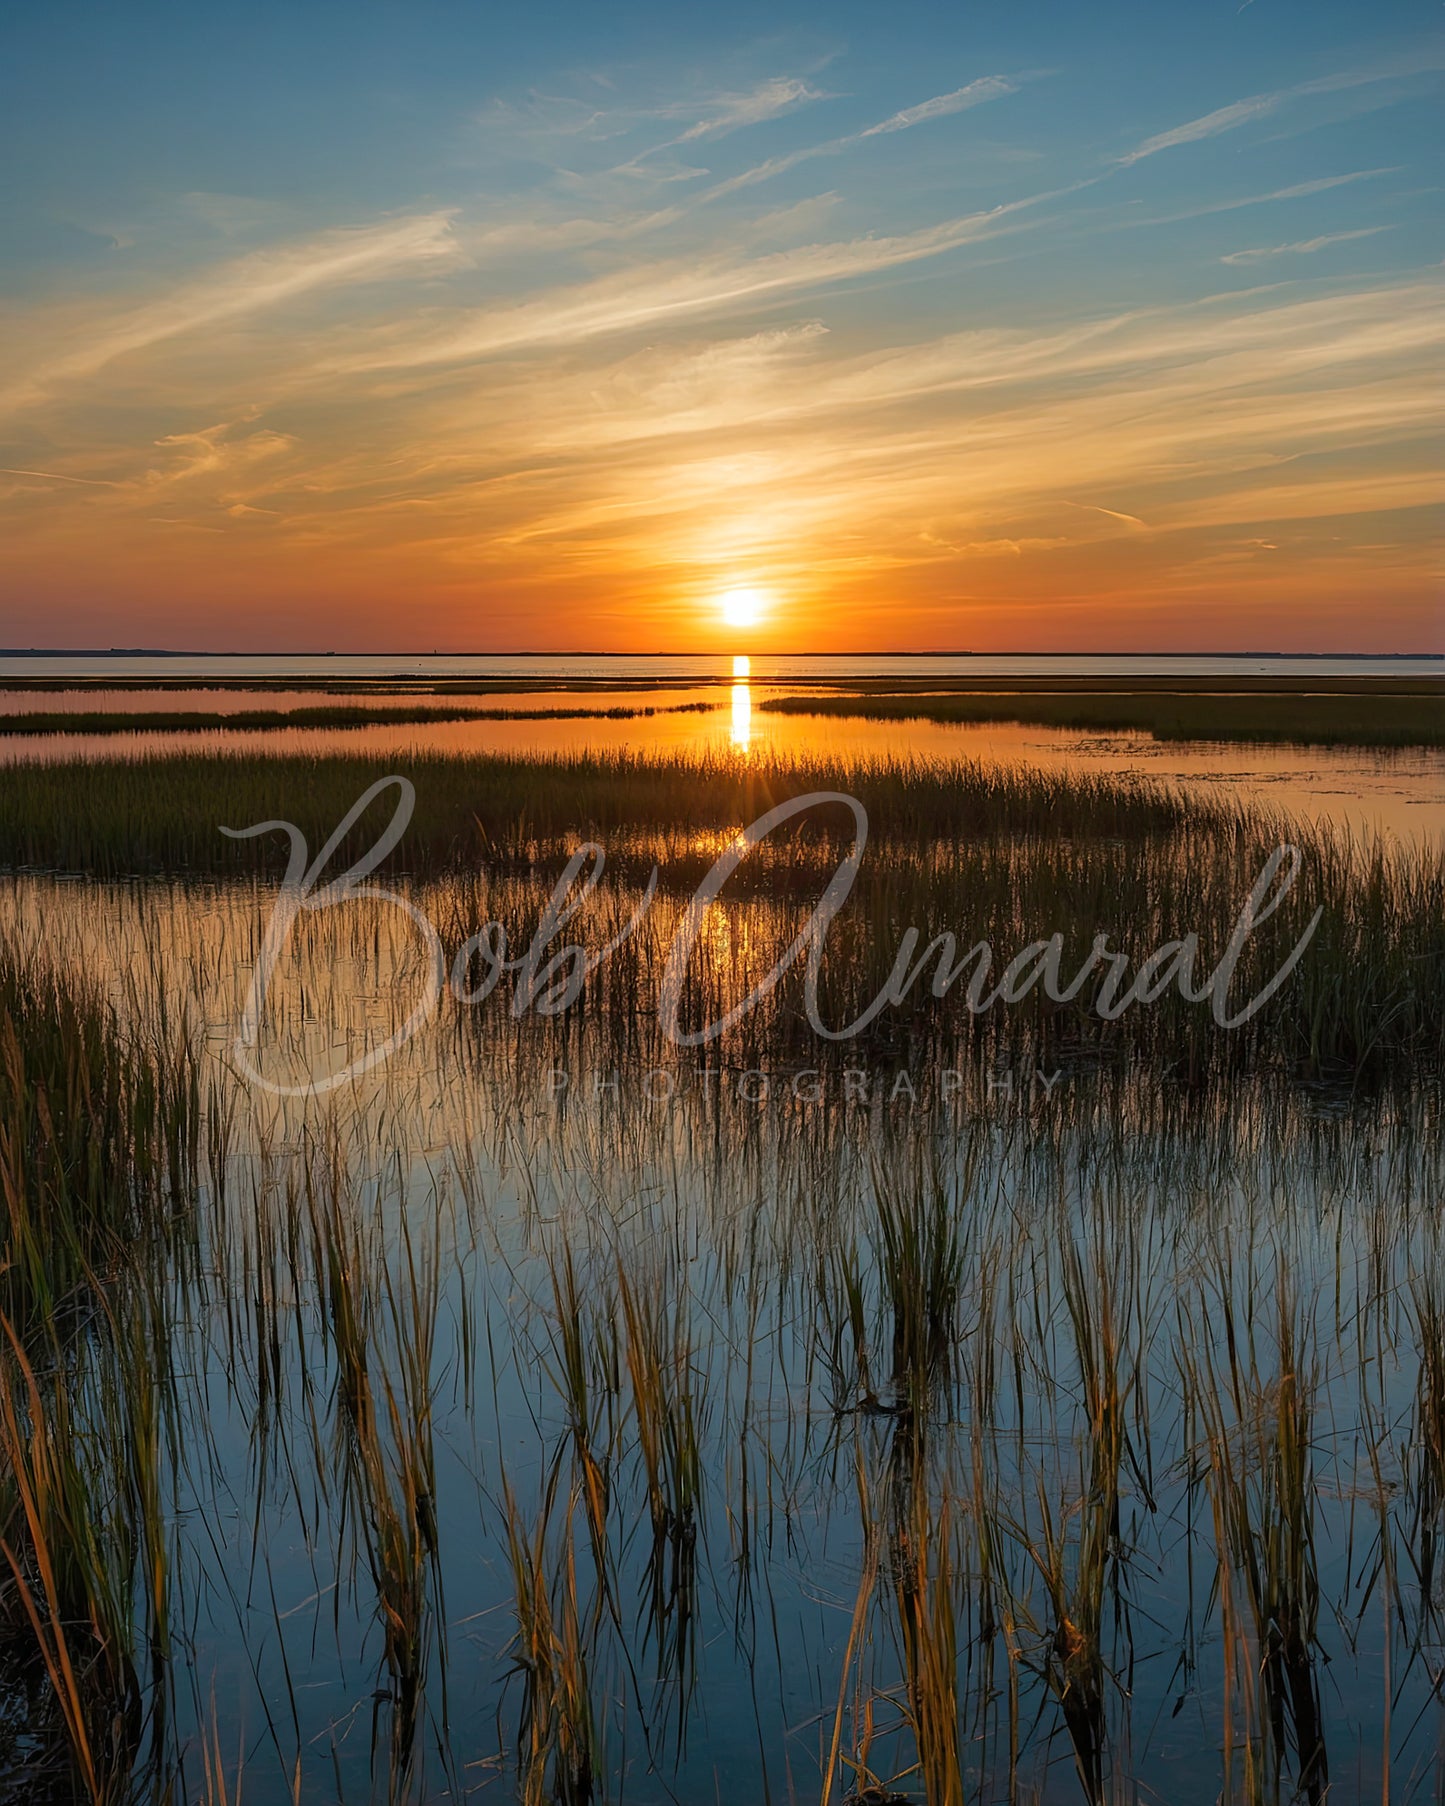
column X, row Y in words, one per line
column 743, row 607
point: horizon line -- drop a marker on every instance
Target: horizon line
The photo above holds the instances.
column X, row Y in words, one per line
column 653, row 653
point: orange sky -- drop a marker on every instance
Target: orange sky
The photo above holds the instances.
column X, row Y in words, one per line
column 986, row 366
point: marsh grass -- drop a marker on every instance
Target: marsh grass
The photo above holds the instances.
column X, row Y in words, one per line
column 1081, row 1580
column 889, row 1449
column 384, row 1457
column 1001, row 858
column 120, row 816
column 920, row 1257
column 1258, row 1424
column 559, row 1751
column 921, row 1565
column 150, row 721
column 98, row 1138
column 1426, row 1479
column 1408, row 715
column 69, row 1546
column 663, row 1371
column 98, row 1163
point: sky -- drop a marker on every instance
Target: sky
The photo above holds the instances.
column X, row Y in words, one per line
column 474, row 328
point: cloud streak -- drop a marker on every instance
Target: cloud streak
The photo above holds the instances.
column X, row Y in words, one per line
column 574, row 386
column 1208, row 125
column 769, row 100
column 1297, row 191
column 941, row 106
column 1260, row 106
column 249, row 285
column 1303, row 247
column 648, row 296
column 988, row 87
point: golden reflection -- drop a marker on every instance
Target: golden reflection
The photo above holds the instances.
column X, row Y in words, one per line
column 742, row 706
column 742, row 665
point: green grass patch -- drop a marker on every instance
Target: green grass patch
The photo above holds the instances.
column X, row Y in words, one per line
column 140, row 721
column 1325, row 718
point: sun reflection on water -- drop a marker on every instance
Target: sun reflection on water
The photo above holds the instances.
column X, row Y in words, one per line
column 742, row 728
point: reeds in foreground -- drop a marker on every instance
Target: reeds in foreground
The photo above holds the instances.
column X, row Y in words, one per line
column 1259, row 1426
column 98, row 1140
column 559, row 1755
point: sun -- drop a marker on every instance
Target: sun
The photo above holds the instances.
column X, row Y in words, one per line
column 742, row 607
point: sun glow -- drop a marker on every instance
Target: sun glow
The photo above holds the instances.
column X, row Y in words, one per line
column 742, row 607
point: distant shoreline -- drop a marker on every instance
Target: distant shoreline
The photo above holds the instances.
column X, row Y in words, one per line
column 939, row 652
column 1370, row 708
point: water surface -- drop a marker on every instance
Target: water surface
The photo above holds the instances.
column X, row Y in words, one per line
column 693, row 1445
column 1399, row 791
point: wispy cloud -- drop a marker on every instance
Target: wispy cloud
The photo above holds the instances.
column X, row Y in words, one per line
column 773, row 166
column 568, row 121
column 601, row 393
column 211, row 450
column 644, row 296
column 522, row 237
column 1295, row 192
column 941, row 106
column 1208, row 125
column 767, row 101
column 1302, row 247
column 248, row 285
column 783, row 449
column 988, row 87
column 665, row 464
column 1259, row 106
column 56, row 476
column 1131, row 520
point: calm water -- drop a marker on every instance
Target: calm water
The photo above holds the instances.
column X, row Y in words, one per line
column 293, row 666
column 1400, row 792
column 806, row 1524
column 774, row 1442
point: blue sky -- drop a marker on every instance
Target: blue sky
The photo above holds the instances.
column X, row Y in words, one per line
column 480, row 325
